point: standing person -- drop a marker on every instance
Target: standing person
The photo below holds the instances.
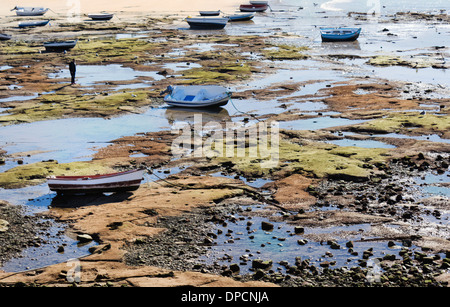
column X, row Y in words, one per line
column 72, row 69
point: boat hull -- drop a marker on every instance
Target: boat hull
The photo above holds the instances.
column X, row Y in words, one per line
column 5, row 37
column 101, row 16
column 241, row 17
column 340, row 37
column 59, row 46
column 33, row 24
column 31, row 11
column 116, row 182
column 198, row 96
column 209, row 104
column 253, row 7
column 209, row 13
column 207, row 23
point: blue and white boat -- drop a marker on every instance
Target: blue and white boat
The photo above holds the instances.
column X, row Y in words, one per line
column 197, row 96
column 241, row 17
column 339, row 34
column 34, row 23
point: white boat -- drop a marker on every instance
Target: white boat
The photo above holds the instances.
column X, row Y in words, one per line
column 101, row 16
column 208, row 23
column 259, row 2
column 36, row 23
column 197, row 96
column 114, row 182
column 30, row 11
column 60, row 46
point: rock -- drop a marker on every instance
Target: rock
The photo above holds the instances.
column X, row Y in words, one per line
column 234, row 268
column 299, row 229
column 333, row 245
column 3, row 225
column 266, row 225
column 84, row 238
column 259, row 274
column 261, row 264
column 302, row 242
column 389, row 257
column 349, row 244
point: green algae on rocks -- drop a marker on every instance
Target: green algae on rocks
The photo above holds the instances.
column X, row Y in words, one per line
column 73, row 104
column 296, row 154
column 286, row 52
column 414, row 123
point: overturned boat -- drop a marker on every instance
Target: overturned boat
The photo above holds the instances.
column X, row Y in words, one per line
column 114, row 182
column 197, row 96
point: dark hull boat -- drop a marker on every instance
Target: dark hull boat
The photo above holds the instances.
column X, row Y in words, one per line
column 4, row 37
column 253, row 7
column 101, row 16
column 60, row 46
column 38, row 23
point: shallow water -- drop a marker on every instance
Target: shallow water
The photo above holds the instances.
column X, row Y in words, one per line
column 361, row 143
column 238, row 241
column 318, row 123
column 90, row 75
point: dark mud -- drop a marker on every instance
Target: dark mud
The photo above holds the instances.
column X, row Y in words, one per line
column 19, row 230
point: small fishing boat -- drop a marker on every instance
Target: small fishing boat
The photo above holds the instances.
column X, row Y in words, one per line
column 60, row 45
column 339, row 34
column 101, row 16
column 241, row 17
column 253, row 7
column 30, row 11
column 209, row 13
column 36, row 23
column 210, row 23
column 4, row 37
column 114, row 182
column 197, row 96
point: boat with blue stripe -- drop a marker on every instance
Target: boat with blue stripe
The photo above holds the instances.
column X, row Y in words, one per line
column 339, row 34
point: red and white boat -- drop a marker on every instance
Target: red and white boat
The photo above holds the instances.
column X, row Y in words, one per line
column 115, row 182
column 253, row 7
